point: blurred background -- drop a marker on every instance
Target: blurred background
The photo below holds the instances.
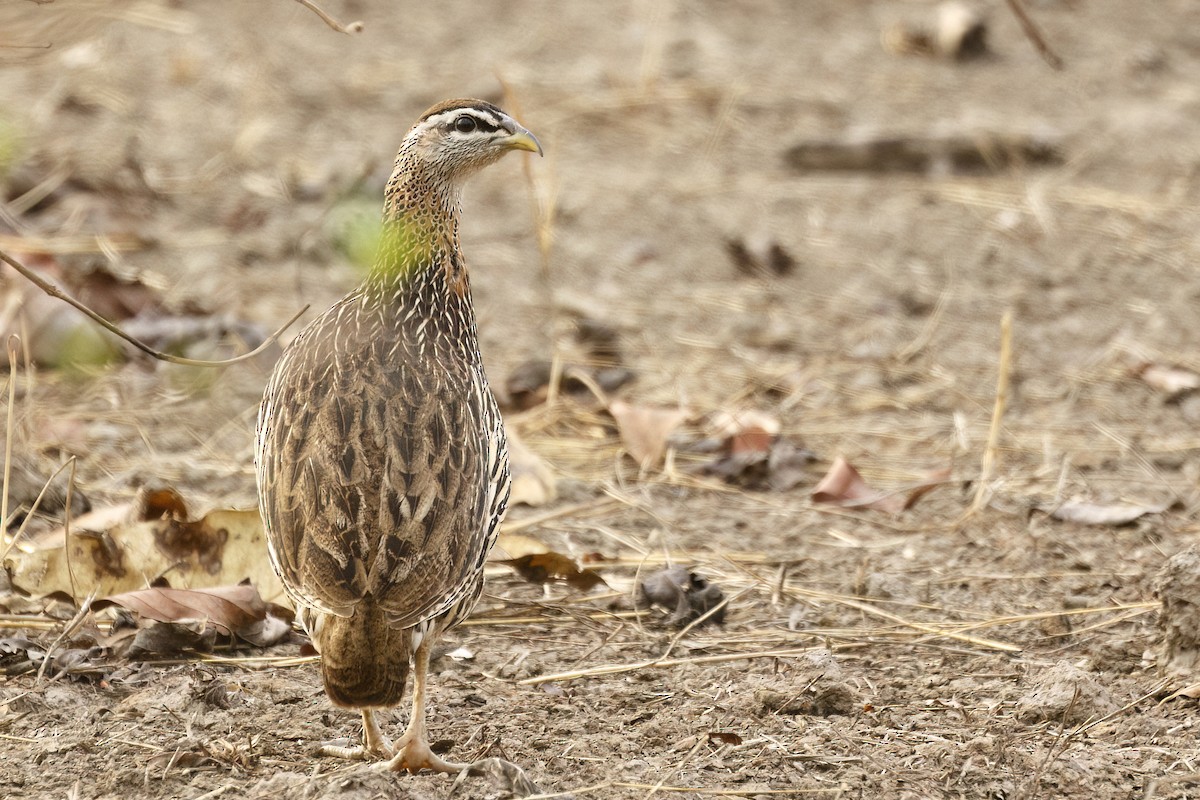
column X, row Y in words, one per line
column 821, row 207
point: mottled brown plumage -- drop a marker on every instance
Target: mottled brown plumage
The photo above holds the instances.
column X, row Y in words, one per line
column 381, row 460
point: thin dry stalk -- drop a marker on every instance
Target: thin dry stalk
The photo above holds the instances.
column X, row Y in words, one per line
column 13, row 343
column 1034, row 35
column 67, row 531
column 988, row 464
column 867, row 608
column 730, row 792
column 617, row 669
column 353, row 27
column 59, row 294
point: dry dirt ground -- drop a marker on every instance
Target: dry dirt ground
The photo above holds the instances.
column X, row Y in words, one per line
column 940, row 652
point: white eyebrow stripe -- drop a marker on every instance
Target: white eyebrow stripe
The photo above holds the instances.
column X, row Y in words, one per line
column 446, row 117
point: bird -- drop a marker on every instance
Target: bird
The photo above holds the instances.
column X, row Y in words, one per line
column 381, row 461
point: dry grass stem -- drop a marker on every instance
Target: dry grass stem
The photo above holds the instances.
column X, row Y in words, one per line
column 1034, row 35
column 616, row 669
column 9, row 429
column 353, row 27
column 991, row 449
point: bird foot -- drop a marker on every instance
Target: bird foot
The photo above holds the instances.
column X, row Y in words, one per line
column 414, row 754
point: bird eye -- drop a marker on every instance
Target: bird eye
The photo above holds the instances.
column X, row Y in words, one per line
column 465, row 124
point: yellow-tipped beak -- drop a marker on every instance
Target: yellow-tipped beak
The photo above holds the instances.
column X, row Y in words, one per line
column 522, row 139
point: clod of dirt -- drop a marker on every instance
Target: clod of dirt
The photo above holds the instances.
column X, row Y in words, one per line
column 819, row 690
column 1177, row 586
column 688, row 595
column 1066, row 694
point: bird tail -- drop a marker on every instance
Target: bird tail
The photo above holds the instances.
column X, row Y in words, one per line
column 364, row 663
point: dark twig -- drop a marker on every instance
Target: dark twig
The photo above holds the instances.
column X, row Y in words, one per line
column 54, row 291
column 1034, row 35
column 353, row 27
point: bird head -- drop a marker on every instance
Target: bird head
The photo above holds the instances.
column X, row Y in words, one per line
column 456, row 138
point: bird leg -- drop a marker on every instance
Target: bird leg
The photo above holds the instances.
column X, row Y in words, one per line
column 412, row 750
column 375, row 742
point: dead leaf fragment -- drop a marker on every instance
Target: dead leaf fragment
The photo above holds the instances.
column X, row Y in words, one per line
column 844, row 486
column 1114, row 514
column 553, row 567
column 645, row 430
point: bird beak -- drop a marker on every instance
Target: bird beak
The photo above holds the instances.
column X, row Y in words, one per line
column 521, row 139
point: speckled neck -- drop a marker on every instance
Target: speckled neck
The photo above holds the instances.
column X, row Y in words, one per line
column 419, row 279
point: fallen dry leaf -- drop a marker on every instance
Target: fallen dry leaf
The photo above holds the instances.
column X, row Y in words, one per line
column 1113, row 514
column 118, row 549
column 645, row 430
column 229, row 608
column 844, row 486
column 553, row 567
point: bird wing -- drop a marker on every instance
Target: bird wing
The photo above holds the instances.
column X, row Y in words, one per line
column 382, row 473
